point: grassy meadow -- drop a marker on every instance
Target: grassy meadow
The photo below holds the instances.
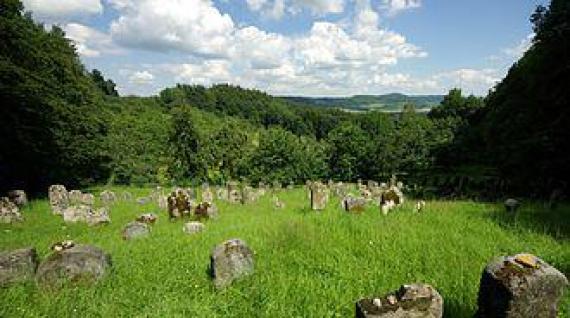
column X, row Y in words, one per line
column 307, row 264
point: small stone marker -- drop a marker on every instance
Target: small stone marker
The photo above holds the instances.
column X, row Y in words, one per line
column 135, row 230
column 9, row 211
column 58, row 198
column 229, row 261
column 193, row 227
column 410, row 301
column 520, row 286
column 17, row 266
column 78, row 264
column 512, row 205
column 207, row 195
column 143, row 200
column 108, row 197
column 148, row 218
column 248, row 195
column 19, row 197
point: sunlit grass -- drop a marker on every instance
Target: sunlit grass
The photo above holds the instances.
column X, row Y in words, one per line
column 307, row 264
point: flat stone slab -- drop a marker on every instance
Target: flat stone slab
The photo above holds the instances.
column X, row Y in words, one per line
column 410, row 301
column 83, row 264
column 135, row 230
column 520, row 286
column 193, row 227
column 17, row 266
column 229, row 261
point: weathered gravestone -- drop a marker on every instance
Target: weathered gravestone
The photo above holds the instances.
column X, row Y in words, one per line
column 9, row 211
column 207, row 195
column 86, row 214
column 18, row 197
column 512, row 205
column 222, row 193
column 354, row 205
column 163, row 202
column 248, row 195
column 319, row 196
column 108, row 197
column 148, row 218
column 410, row 301
column 17, row 266
column 75, row 197
column 179, row 204
column 58, row 198
column 135, row 230
column 206, row 210
column 127, row 196
column 193, row 227
column 78, row 264
column 229, row 261
column 520, row 286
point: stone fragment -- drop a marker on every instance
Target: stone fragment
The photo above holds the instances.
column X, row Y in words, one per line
column 135, row 230
column 18, row 197
column 9, row 211
column 17, row 266
column 58, row 198
column 420, row 205
column 520, row 286
column 229, row 261
column 410, row 301
column 78, row 264
column 193, row 227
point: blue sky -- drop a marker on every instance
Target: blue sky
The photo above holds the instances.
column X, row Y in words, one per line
column 297, row 47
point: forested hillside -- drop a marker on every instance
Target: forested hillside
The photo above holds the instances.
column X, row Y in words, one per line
column 386, row 103
column 62, row 124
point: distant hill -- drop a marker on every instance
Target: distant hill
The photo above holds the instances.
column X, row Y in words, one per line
column 387, row 103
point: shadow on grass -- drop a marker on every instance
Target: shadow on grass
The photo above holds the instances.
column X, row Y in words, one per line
column 454, row 309
column 535, row 217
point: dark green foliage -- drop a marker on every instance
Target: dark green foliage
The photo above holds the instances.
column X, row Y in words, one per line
column 186, row 146
column 106, row 86
column 50, row 130
column 349, row 149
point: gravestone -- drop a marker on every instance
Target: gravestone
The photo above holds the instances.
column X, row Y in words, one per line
column 76, row 213
column 88, row 199
column 410, row 301
column 108, row 197
column 143, row 200
column 248, row 195
column 393, row 194
column 193, row 227
column 354, row 205
column 18, row 197
column 98, row 217
column 9, row 211
column 17, row 266
column 512, row 205
column 520, row 286
column 319, row 196
column 148, row 218
column 78, row 264
column 58, row 198
column 75, row 197
column 206, row 210
column 135, row 230
column 163, row 202
column 179, row 204
column 207, row 195
column 229, row 261
column 127, row 196
column 222, row 193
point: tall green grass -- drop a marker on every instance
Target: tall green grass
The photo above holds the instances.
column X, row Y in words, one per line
column 307, row 264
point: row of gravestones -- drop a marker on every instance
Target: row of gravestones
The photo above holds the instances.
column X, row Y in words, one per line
column 517, row 286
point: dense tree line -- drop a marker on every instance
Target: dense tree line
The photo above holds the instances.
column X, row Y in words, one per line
column 63, row 124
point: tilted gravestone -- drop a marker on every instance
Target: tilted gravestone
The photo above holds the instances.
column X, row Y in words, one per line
column 17, row 266
column 229, row 261
column 410, row 301
column 58, row 198
column 78, row 264
column 9, row 211
column 354, row 205
column 520, row 286
column 135, row 230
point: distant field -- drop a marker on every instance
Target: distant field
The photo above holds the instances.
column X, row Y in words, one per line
column 307, row 264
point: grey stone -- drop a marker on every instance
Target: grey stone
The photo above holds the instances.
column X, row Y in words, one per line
column 520, row 286
column 98, row 217
column 229, row 261
column 108, row 197
column 58, row 198
column 248, row 195
column 410, row 301
column 354, row 205
column 143, row 200
column 78, row 264
column 135, row 230
column 512, row 205
column 76, row 213
column 319, row 196
column 19, row 197
column 193, row 227
column 17, row 266
column 9, row 211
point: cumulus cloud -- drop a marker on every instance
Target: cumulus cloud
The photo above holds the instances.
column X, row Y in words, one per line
column 277, row 8
column 141, row 78
column 518, row 51
column 50, row 10
column 476, row 81
column 396, row 6
column 90, row 42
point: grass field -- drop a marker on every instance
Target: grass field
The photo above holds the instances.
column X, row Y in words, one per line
column 307, row 264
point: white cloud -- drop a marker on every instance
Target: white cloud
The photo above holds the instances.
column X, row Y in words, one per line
column 396, row 6
column 256, row 5
column 90, row 42
column 49, row 10
column 518, row 51
column 185, row 25
column 476, row 81
column 276, row 9
column 141, row 78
